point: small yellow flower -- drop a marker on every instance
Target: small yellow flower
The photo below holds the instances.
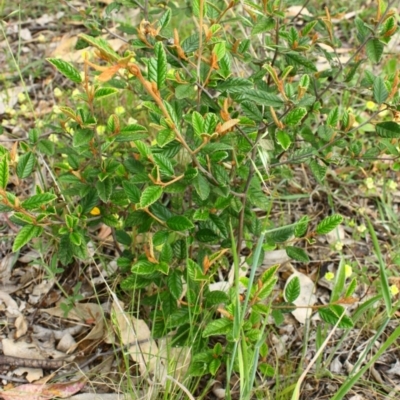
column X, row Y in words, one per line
column 347, row 271
column 132, row 121
column 369, row 183
column 361, row 228
column 338, row 246
column 57, row 92
column 370, row 105
column 100, row 129
column 329, row 276
column 56, row 110
column 21, row 97
column 76, row 93
column 394, row 290
column 119, row 110
column 10, row 111
column 41, row 38
column 95, row 211
column 392, row 185
column 23, row 108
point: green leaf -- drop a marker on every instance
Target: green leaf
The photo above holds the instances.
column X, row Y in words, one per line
column 295, row 116
column 332, row 314
column 4, row 172
column 251, row 111
column 318, row 170
column 164, row 164
column 38, row 200
column 186, row 91
column 172, row 114
column 292, row 289
column 298, row 254
column 283, row 139
column 328, row 224
column 279, row 235
column 25, row 165
column 165, row 19
column 132, row 191
column 235, row 85
column 143, row 267
column 104, row 92
column 179, row 223
column 46, row 146
column 104, row 189
column 380, row 91
column 374, row 50
column 263, row 98
column 26, row 233
column 198, row 123
column 150, row 195
column 66, row 69
column 175, row 286
column 388, row 129
column 264, row 24
column 161, row 64
column 301, row 226
column 219, row 50
column 216, row 297
column 333, row 117
column 297, row 60
column 102, row 45
column 201, row 186
column 82, row 137
column 218, row 327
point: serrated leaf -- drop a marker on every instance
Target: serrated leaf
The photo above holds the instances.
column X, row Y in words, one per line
column 374, row 50
column 164, row 164
column 185, row 91
column 179, row 223
column 165, row 19
column 132, row 191
column 279, row 235
column 150, row 195
column 82, row 137
column 104, row 92
column 216, row 297
column 26, row 233
column 218, row 327
column 66, row 69
column 201, row 186
column 4, row 172
column 251, row 111
column 264, row 24
column 296, row 60
column 198, row 123
column 38, row 200
column 46, row 146
column 172, row 114
column 380, row 91
column 161, row 64
column 104, row 189
column 298, row 254
column 333, row 117
column 25, row 165
column 328, row 224
column 102, row 45
column 388, row 129
column 143, row 267
column 332, row 314
column 318, row 170
column 219, row 50
column 292, row 289
column 175, row 286
column 235, row 85
column 295, row 116
column 301, row 226
column 263, row 98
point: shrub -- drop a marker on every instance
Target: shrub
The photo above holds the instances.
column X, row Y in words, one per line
column 185, row 170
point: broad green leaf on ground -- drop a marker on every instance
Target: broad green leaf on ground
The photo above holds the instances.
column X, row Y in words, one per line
column 292, row 290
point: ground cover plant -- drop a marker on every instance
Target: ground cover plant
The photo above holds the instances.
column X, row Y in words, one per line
column 213, row 197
